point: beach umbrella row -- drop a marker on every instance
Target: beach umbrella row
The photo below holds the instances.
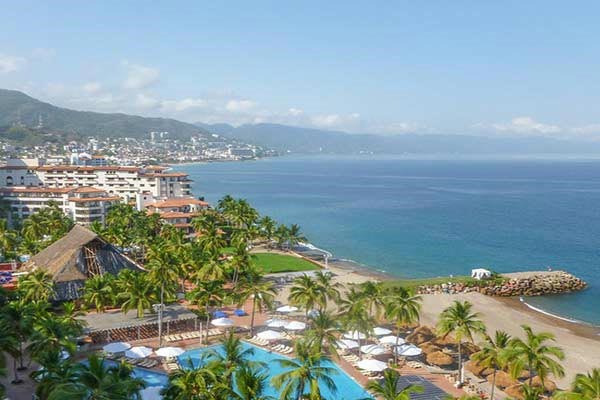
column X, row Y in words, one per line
column 222, row 322
column 169, row 352
column 347, row 344
column 270, row 335
column 391, row 340
column 372, row 365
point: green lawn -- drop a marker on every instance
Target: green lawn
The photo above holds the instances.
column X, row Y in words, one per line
column 272, row 262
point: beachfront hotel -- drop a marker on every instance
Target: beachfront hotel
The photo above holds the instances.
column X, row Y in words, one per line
column 125, row 182
column 86, row 192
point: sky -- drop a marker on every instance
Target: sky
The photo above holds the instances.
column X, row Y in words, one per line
column 497, row 68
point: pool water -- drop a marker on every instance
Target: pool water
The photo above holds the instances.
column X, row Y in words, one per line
column 152, row 378
column 347, row 388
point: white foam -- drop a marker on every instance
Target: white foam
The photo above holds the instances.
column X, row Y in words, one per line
column 549, row 314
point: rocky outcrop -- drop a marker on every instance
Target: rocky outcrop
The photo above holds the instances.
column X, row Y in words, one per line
column 518, row 284
column 536, row 285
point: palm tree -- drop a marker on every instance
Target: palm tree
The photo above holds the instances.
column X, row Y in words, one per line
column 70, row 318
column 307, row 293
column 584, row 387
column 241, row 260
column 387, row 388
column 233, row 355
column 356, row 318
column 492, row 354
column 306, row 371
column 373, row 295
column 52, row 334
column 36, row 286
column 253, row 285
column 17, row 318
column 195, row 384
column 294, row 236
column 267, row 227
column 329, row 287
column 9, row 344
column 251, row 384
column 98, row 292
column 207, row 294
column 458, row 319
column 535, row 355
column 96, row 380
column 404, row 308
column 138, row 294
column 8, row 240
column 163, row 266
column 55, row 371
column 324, row 331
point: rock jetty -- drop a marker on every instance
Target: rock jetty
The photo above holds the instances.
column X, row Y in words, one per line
column 535, row 284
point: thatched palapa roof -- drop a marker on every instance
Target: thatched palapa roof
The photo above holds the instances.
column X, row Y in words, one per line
column 77, row 256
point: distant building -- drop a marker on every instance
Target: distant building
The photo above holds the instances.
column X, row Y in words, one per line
column 83, row 205
column 242, row 152
column 178, row 211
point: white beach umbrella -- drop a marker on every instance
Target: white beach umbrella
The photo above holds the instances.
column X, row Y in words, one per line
column 116, row 347
column 408, row 350
column 270, row 335
column 151, row 393
column 347, row 344
column 287, row 309
column 169, row 352
column 354, row 335
column 64, row 355
column 372, row 365
column 379, row 331
column 373, row 349
column 295, row 326
column 138, row 352
column 223, row 322
column 391, row 339
column 276, row 323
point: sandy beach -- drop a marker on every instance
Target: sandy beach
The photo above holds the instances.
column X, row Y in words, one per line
column 580, row 342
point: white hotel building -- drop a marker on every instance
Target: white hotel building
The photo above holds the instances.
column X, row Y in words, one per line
column 29, row 186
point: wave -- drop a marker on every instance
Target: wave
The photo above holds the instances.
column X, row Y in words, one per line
column 541, row 311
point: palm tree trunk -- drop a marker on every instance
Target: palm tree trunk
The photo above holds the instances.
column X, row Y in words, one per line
column 162, row 301
column 252, row 318
column 493, row 384
column 460, row 377
column 21, row 366
column 207, row 322
column 16, row 380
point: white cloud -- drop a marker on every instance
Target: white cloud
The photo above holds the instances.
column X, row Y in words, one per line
column 239, row 106
column 183, row 104
column 144, row 101
column 140, row 76
column 295, row 112
column 92, row 87
column 10, row 63
column 526, row 125
column 336, row 121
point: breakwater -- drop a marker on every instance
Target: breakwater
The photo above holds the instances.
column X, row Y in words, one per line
column 535, row 283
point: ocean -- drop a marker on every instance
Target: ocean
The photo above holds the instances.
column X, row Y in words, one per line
column 424, row 218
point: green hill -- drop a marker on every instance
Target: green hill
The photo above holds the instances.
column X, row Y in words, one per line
column 16, row 107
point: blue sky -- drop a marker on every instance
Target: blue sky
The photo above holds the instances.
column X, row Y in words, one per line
column 472, row 67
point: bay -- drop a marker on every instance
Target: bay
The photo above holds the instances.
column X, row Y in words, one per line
column 433, row 217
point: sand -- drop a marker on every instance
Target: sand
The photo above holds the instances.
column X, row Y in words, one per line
column 580, row 342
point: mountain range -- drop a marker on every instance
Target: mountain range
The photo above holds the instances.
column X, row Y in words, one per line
column 18, row 108
column 306, row 140
column 23, row 110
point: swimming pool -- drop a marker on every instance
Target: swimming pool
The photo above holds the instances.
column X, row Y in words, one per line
column 152, row 378
column 347, row 388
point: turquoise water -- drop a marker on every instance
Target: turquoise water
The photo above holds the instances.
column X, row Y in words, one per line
column 419, row 218
column 151, row 378
column 347, row 388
